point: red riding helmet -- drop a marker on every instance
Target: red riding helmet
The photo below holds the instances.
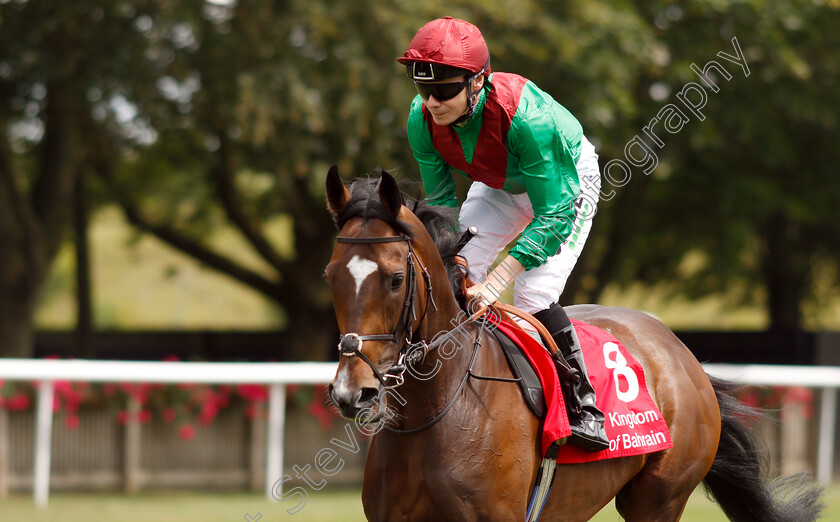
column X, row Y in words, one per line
column 444, row 48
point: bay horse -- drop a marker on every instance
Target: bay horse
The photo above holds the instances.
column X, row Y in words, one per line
column 459, row 447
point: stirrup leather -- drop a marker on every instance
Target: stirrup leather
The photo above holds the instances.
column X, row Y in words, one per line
column 545, row 477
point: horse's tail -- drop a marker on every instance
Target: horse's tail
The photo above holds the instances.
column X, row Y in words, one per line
column 739, row 477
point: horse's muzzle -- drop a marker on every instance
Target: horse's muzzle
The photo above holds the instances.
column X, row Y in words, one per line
column 351, row 401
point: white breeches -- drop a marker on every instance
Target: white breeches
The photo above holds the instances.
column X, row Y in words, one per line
column 501, row 217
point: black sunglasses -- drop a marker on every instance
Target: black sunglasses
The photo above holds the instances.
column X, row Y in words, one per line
column 441, row 91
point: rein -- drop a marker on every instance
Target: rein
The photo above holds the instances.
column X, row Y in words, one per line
column 442, row 414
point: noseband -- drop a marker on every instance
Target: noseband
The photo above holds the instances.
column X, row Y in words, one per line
column 350, row 344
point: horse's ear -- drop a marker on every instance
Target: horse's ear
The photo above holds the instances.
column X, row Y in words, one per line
column 337, row 193
column 389, row 193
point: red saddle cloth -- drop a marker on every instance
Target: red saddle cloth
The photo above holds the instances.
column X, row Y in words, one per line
column 633, row 424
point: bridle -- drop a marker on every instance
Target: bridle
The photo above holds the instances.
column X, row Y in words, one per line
column 350, row 344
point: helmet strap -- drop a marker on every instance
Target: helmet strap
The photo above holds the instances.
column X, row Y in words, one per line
column 472, row 99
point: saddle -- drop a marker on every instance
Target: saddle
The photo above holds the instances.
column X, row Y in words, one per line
column 555, row 380
column 520, row 366
column 523, row 370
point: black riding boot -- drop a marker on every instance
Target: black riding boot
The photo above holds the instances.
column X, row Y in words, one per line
column 587, row 423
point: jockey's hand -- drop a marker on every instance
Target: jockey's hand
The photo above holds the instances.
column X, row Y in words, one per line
column 479, row 295
column 497, row 283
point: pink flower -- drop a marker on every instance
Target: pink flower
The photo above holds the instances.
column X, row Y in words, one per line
column 751, row 398
column 253, row 392
column 798, row 395
column 168, row 414
column 62, row 387
column 123, row 417
column 186, row 431
column 145, row 416
column 251, row 411
column 209, row 410
column 17, row 402
column 72, row 422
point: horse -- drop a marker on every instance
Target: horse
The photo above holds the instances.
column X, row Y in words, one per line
column 453, row 440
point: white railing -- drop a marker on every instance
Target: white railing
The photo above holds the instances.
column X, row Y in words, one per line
column 278, row 375
column 825, row 378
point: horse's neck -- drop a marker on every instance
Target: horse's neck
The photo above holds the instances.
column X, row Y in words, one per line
column 446, row 311
column 452, row 357
column 435, row 381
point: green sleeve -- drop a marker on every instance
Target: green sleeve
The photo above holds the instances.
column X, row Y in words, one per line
column 551, row 180
column 437, row 178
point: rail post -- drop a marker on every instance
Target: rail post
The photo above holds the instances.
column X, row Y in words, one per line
column 43, row 443
column 274, row 441
column 828, row 427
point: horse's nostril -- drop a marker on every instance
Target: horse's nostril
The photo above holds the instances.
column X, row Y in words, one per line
column 367, row 396
column 339, row 396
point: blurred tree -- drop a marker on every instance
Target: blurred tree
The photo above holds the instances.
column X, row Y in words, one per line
column 204, row 113
column 741, row 201
column 52, row 61
column 252, row 102
column 194, row 115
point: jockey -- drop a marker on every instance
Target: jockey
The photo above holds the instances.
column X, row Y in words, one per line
column 535, row 174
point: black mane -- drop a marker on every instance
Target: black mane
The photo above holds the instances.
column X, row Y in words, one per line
column 439, row 222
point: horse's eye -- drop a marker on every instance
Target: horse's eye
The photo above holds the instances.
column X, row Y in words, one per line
column 397, row 281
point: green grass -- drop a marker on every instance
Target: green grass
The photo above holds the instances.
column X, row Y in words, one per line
column 336, row 505
column 182, row 507
column 701, row 509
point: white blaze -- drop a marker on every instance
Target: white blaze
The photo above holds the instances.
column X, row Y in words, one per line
column 360, row 268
